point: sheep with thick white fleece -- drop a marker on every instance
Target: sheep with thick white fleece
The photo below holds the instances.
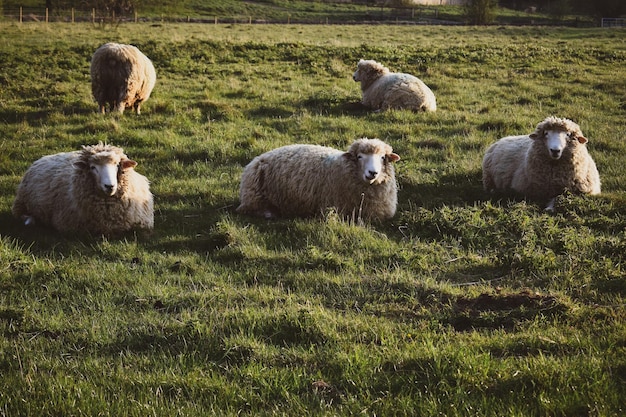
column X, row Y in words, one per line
column 94, row 190
column 543, row 164
column 121, row 76
column 304, row 180
column 384, row 90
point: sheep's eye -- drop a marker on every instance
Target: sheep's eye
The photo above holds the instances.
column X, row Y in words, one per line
column 92, row 167
column 359, row 157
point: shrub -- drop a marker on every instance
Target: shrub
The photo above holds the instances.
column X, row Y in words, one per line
column 480, row 12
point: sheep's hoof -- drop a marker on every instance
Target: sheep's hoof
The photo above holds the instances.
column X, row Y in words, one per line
column 268, row 215
column 28, row 220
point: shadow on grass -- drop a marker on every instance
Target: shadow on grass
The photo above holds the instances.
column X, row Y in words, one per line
column 45, row 240
column 451, row 189
column 17, row 117
column 503, row 311
column 176, row 230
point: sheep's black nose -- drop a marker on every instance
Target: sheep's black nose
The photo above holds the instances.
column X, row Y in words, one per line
column 108, row 187
column 555, row 152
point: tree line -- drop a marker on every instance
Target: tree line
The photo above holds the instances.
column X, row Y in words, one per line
column 481, row 12
column 476, row 11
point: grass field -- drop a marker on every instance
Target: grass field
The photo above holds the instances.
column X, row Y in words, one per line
column 464, row 304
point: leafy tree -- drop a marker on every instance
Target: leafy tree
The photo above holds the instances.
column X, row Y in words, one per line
column 112, row 7
column 480, row 12
column 601, row 8
column 558, row 9
column 116, row 7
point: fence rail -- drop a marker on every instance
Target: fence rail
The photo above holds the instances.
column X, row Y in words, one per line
column 24, row 14
column 403, row 15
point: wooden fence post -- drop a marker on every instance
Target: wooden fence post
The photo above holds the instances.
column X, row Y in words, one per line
column 46, row 15
column 93, row 16
column 72, row 15
column 21, row 14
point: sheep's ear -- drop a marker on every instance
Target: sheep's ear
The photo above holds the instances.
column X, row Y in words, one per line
column 128, row 163
column 393, row 157
column 534, row 135
column 81, row 165
column 582, row 139
column 348, row 156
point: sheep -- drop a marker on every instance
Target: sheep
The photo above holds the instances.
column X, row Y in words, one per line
column 304, row 180
column 94, row 190
column 384, row 90
column 543, row 164
column 121, row 76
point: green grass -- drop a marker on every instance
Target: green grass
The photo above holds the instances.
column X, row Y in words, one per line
column 462, row 304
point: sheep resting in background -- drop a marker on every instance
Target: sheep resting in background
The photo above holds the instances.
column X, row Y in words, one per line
column 384, row 90
column 305, row 180
column 94, row 190
column 543, row 164
column 121, row 76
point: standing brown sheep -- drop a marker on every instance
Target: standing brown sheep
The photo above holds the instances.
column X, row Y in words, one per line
column 121, row 76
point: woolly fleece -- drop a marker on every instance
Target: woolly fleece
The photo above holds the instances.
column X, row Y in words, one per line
column 384, row 90
column 522, row 164
column 59, row 191
column 121, row 76
column 304, row 180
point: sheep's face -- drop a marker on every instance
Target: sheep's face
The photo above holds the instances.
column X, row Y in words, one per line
column 106, row 169
column 372, row 166
column 105, row 177
column 357, row 76
column 368, row 71
column 557, row 142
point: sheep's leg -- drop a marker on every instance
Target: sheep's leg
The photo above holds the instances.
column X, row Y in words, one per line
column 550, row 206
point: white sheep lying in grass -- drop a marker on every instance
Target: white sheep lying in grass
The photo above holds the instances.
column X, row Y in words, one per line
column 305, row 180
column 94, row 190
column 384, row 90
column 121, row 76
column 542, row 165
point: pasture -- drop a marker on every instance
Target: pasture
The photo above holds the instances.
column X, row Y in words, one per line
column 462, row 304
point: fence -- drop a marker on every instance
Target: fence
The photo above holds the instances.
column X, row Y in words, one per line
column 398, row 15
column 72, row 15
column 613, row 22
